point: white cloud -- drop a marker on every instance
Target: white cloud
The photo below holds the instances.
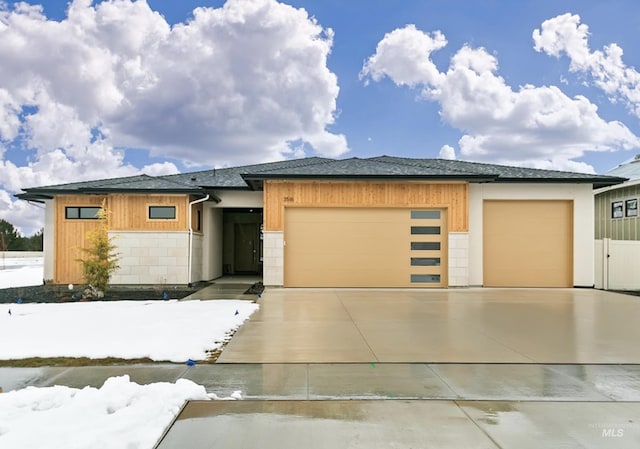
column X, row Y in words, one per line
column 528, row 126
column 565, row 34
column 233, row 84
column 412, row 65
column 447, row 152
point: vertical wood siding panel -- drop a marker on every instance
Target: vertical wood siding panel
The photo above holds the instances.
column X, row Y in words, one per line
column 280, row 194
column 70, row 237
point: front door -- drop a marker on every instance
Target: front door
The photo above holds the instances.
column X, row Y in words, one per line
column 246, row 247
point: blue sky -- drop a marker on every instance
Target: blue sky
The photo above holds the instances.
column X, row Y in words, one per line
column 92, row 90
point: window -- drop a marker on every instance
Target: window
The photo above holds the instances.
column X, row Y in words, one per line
column 81, row 213
column 426, row 278
column 631, row 208
column 425, row 261
column 198, row 220
column 434, row 230
column 425, row 214
column 162, row 212
column 617, row 209
column 425, row 246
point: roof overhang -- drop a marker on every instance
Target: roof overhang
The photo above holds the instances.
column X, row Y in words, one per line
column 256, row 181
column 595, row 181
column 39, row 196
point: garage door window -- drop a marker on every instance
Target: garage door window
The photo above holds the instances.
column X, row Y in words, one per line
column 425, row 215
column 422, row 230
column 425, row 246
column 425, row 261
column 425, row 278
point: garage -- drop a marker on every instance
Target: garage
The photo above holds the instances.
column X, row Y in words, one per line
column 528, row 243
column 364, row 247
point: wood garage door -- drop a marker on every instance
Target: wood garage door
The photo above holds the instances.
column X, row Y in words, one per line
column 528, row 244
column 365, row 247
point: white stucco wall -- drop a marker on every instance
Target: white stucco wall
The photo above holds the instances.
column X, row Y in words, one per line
column 212, row 244
column 151, row 257
column 583, row 224
column 48, row 245
column 235, row 198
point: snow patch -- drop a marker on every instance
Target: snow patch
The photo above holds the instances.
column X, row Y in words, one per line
column 160, row 330
column 120, row 414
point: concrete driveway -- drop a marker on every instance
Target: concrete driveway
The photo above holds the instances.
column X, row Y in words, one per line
column 464, row 326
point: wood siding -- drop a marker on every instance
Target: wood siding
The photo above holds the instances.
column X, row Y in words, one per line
column 127, row 213
column 131, row 212
column 451, row 196
column 70, row 237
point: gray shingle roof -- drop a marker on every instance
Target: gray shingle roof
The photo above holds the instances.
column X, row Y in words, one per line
column 382, row 167
column 232, row 177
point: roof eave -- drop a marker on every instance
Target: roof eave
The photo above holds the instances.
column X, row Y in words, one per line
column 256, row 180
column 37, row 198
column 596, row 181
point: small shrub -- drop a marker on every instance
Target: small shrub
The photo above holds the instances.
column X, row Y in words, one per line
column 101, row 260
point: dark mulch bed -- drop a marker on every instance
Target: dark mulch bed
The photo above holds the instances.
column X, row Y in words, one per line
column 628, row 292
column 61, row 293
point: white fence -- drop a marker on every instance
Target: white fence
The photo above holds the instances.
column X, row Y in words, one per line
column 20, row 254
column 617, row 264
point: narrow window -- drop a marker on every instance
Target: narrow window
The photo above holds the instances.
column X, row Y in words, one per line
column 425, row 246
column 162, row 212
column 198, row 220
column 425, row 278
column 425, row 214
column 631, row 208
column 617, row 209
column 81, row 213
column 417, row 230
column 425, row 261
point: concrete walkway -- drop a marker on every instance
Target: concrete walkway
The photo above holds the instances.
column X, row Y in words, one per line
column 447, row 326
column 387, row 405
column 497, row 382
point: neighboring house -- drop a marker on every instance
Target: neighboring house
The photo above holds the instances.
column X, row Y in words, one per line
column 315, row 222
column 617, row 230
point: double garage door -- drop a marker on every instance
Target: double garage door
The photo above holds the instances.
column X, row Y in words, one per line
column 365, row 247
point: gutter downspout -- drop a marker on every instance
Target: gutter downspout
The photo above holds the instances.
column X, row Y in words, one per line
column 190, row 255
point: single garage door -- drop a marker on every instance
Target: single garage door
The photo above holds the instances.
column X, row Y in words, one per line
column 365, row 247
column 528, row 244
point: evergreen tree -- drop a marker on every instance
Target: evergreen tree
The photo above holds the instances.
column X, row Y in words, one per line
column 101, row 260
column 10, row 239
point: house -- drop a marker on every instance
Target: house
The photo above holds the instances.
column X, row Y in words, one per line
column 316, row 222
column 617, row 230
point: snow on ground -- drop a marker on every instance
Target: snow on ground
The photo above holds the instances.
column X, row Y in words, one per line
column 161, row 330
column 21, row 272
column 120, row 414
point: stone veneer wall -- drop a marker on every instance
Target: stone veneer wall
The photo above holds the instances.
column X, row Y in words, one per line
column 196, row 258
column 458, row 259
column 273, row 261
column 151, row 257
